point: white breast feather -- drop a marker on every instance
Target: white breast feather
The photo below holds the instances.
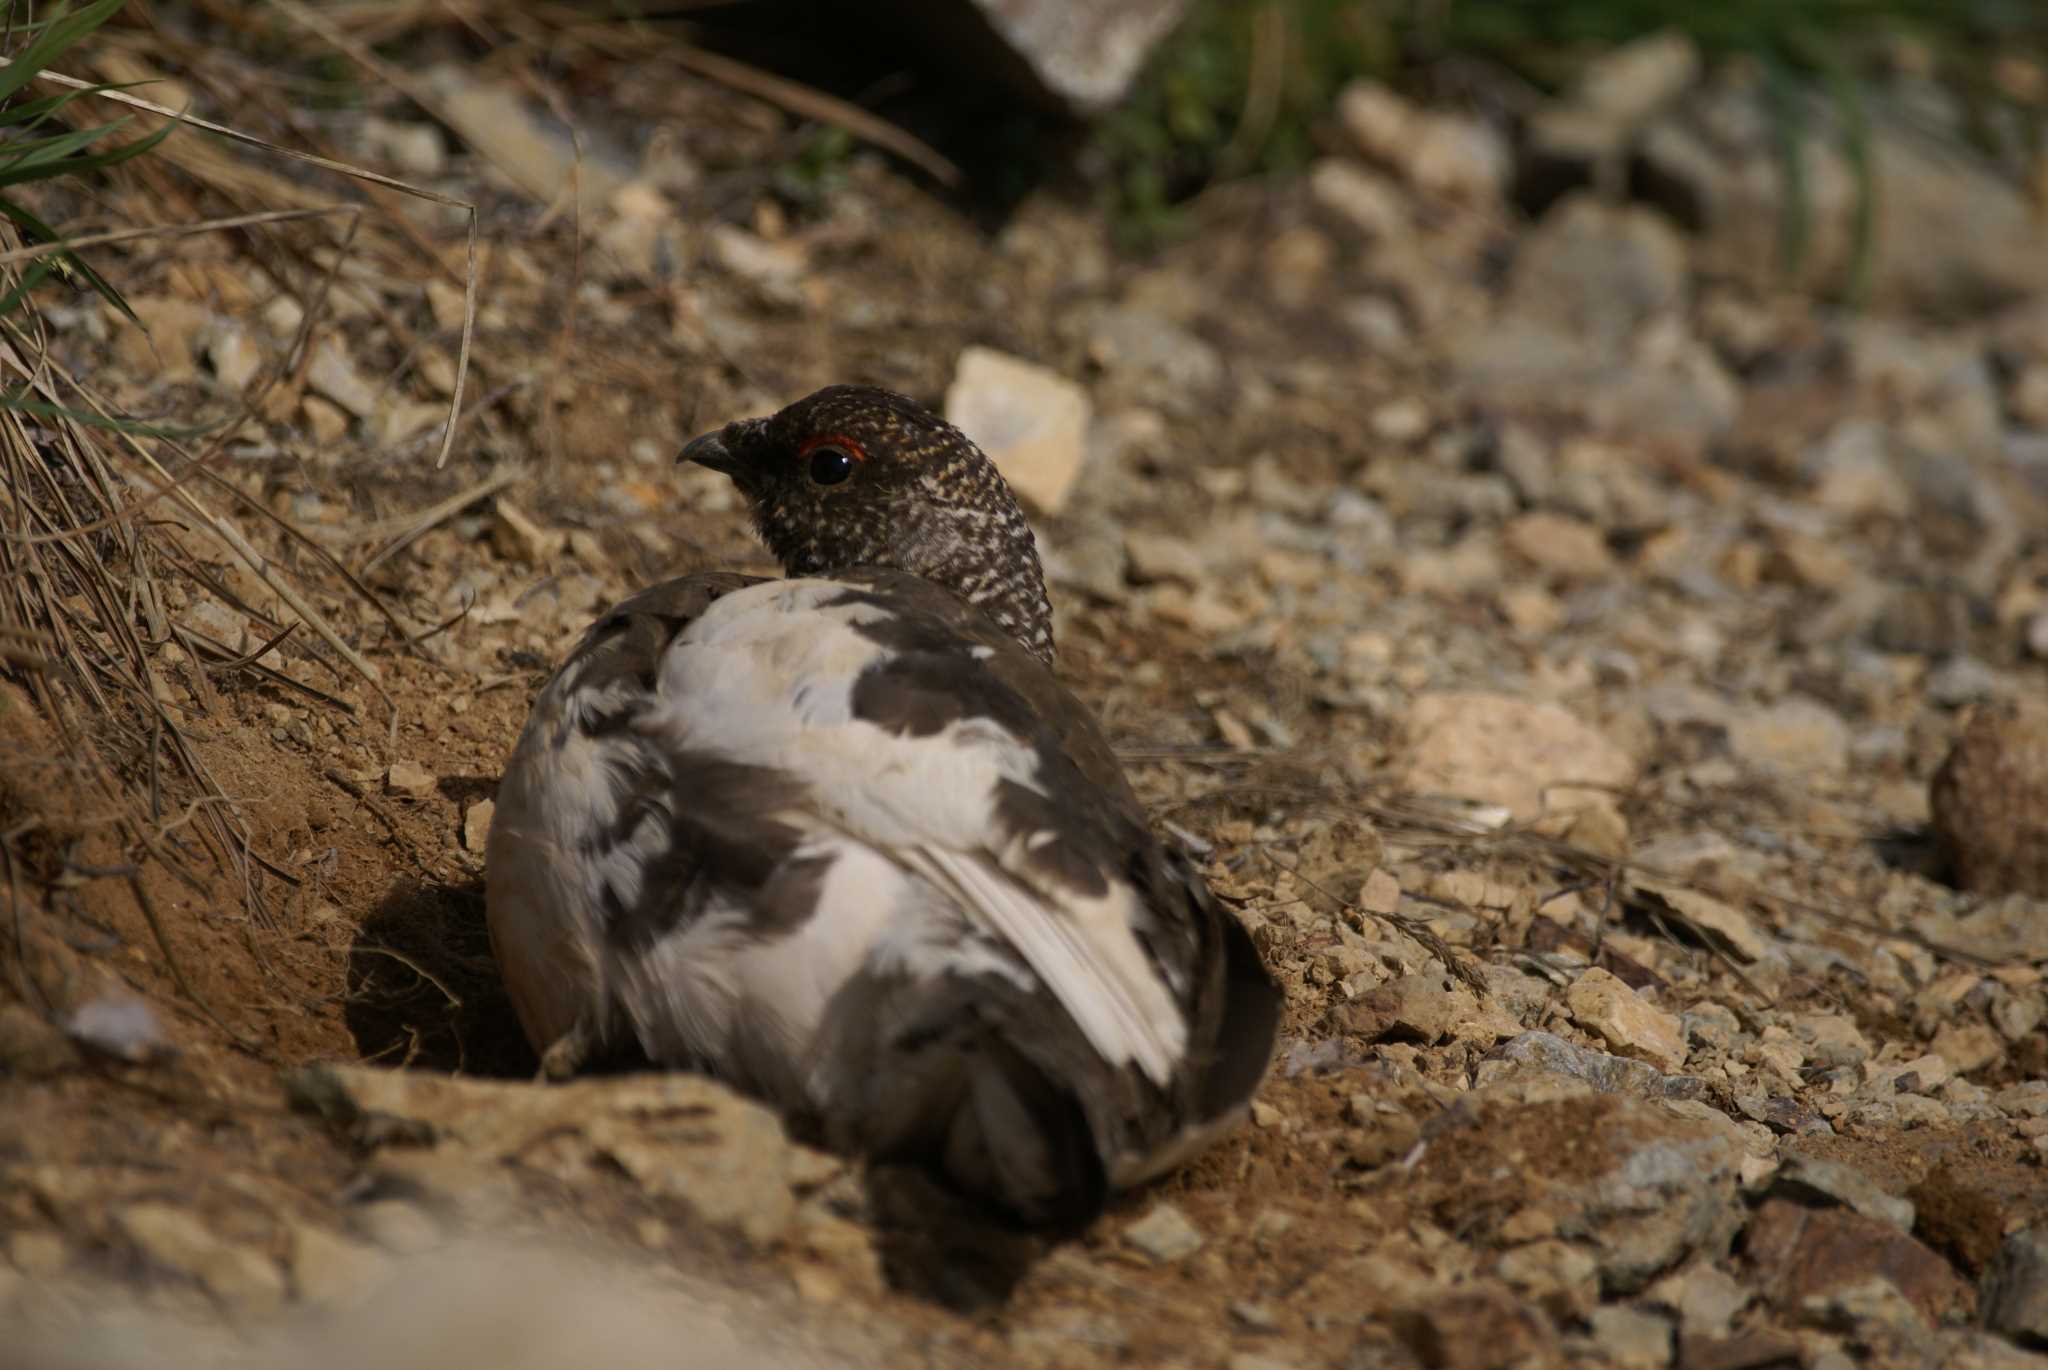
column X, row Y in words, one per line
column 766, row 676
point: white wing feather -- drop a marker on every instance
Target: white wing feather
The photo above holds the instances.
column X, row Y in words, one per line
column 766, row 676
column 1086, row 955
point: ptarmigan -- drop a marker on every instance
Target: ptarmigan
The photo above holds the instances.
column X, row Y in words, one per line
column 844, row 841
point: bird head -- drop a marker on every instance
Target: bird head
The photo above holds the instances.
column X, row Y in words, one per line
column 856, row 476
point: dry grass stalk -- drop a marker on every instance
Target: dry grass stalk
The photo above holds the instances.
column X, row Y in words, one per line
column 100, row 519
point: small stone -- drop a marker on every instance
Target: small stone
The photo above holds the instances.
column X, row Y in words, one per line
column 1363, row 199
column 175, row 1239
column 1813, row 562
column 1636, row 79
column 1858, row 1305
column 1265, row 1114
column 1381, row 123
column 1425, row 1008
column 1632, row 1337
column 414, row 149
column 1989, row 801
column 774, row 270
column 1802, row 1178
column 1153, row 557
column 234, row 356
column 1560, row 544
column 1475, row 1327
column 1457, row 157
column 410, row 779
column 1968, row 1047
column 1804, row 1254
column 333, row 375
column 328, row 421
column 330, row 1269
column 1380, row 893
column 1796, row 735
column 2013, row 928
column 1705, row 1298
column 1831, row 1039
column 1627, row 1022
column 1961, row 680
column 1720, row 923
column 1562, row 1277
column 164, row 347
column 398, row 1225
column 2017, row 1014
column 404, row 420
column 1545, row 1051
column 119, row 1024
column 2035, row 636
column 1297, row 264
column 2028, row 398
column 1402, row 420
column 446, row 303
column 1164, row 1234
column 1530, row 609
column 1030, row 420
column 518, row 537
column 476, row 825
column 1162, row 362
column 1258, row 1360
column 1530, row 756
column 2016, row 1289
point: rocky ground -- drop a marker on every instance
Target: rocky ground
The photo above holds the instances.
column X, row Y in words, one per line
column 1547, row 632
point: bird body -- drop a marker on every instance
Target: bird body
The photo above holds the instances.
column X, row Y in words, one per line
column 845, row 841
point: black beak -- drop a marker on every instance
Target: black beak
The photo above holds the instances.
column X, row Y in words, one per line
column 710, row 450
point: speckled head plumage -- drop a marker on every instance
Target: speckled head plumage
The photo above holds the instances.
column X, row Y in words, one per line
column 855, row 476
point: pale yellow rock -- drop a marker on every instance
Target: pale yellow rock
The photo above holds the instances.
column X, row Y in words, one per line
column 327, row 420
column 1968, row 1046
column 476, row 825
column 234, row 355
column 1629, row 1024
column 410, row 779
column 1560, row 545
column 1724, row 922
column 518, row 536
column 165, row 347
column 334, row 375
column 333, row 1270
column 1530, row 609
column 1530, row 756
column 177, row 1240
column 1030, row 420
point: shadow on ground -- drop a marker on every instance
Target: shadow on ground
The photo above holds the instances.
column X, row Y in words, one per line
column 945, row 1248
column 423, row 989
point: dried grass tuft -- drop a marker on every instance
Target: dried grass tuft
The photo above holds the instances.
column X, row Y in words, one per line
column 108, row 528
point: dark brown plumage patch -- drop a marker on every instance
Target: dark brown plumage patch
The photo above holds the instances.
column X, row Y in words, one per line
column 690, row 826
column 925, row 500
column 920, row 614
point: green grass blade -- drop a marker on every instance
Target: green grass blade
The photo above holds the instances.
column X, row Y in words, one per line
column 38, row 272
column 57, row 38
column 17, row 400
column 44, row 168
column 1788, row 127
column 43, row 233
column 31, row 152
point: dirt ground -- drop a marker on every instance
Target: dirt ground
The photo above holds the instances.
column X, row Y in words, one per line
column 1298, row 538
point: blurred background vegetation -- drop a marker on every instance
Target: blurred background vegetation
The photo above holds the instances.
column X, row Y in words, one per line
column 1244, row 85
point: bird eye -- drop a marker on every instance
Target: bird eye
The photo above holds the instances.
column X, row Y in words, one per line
column 830, row 465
